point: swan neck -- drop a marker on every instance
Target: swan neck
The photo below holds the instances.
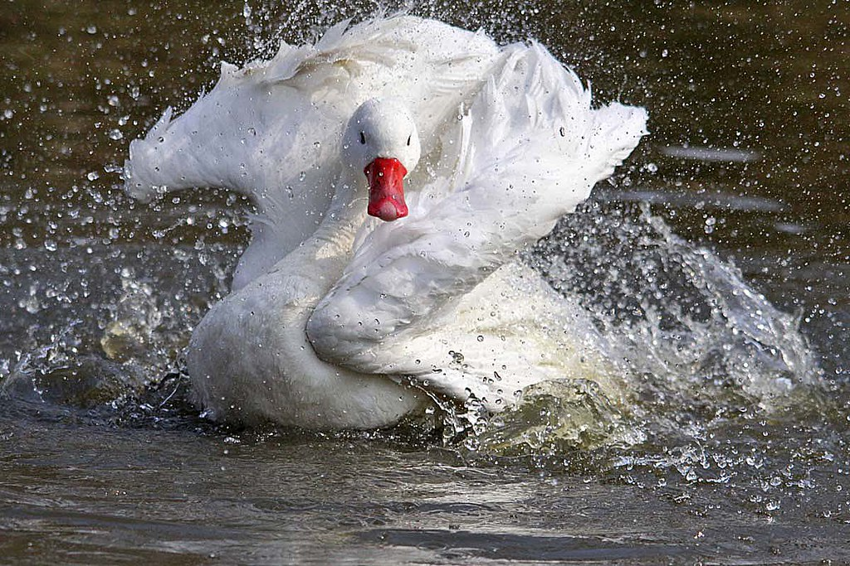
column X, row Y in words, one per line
column 322, row 258
column 344, row 216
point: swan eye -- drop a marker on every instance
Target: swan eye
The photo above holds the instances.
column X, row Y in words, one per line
column 409, row 138
column 563, row 132
column 362, row 138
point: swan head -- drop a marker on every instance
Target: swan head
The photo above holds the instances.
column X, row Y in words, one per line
column 381, row 140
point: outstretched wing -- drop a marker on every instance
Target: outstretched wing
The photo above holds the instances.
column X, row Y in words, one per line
column 532, row 148
column 272, row 129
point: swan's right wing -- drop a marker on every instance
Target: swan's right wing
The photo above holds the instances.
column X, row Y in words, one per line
column 532, row 149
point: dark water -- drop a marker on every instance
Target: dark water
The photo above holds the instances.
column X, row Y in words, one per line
column 715, row 266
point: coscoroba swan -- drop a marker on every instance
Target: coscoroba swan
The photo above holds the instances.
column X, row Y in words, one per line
column 397, row 166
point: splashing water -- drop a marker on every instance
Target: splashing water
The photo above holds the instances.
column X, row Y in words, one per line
column 112, row 352
column 675, row 314
column 691, row 339
column 694, row 342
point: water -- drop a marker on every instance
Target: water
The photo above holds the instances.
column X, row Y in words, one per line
column 714, row 268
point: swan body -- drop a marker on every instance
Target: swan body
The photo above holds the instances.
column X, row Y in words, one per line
column 397, row 167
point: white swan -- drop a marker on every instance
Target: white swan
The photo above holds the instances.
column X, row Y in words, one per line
column 339, row 320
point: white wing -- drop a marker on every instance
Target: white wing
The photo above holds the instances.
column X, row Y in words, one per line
column 272, row 129
column 532, row 149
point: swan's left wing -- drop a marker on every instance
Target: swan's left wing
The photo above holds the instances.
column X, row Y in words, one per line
column 265, row 127
column 532, row 148
column 271, row 130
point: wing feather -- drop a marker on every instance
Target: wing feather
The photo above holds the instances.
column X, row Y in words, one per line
column 532, row 149
column 272, row 129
